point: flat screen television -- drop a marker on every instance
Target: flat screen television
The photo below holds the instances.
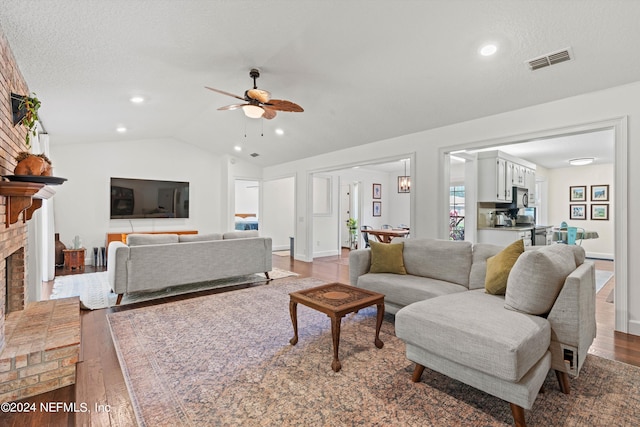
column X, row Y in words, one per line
column 146, row 198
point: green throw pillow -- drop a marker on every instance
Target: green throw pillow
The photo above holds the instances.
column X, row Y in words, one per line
column 499, row 266
column 387, row 258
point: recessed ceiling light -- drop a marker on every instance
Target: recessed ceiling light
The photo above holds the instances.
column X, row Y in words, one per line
column 237, row 148
column 121, row 129
column 279, row 131
column 137, row 99
column 581, row 161
column 488, row 49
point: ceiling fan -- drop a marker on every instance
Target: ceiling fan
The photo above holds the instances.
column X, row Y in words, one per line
column 259, row 102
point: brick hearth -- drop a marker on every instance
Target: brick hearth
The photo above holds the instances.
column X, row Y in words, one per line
column 41, row 350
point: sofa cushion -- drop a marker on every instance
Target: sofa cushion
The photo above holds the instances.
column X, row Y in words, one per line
column 386, row 258
column 537, row 278
column 402, row 290
column 439, row 259
column 481, row 252
column 199, row 237
column 499, row 266
column 151, row 239
column 243, row 234
column 474, row 329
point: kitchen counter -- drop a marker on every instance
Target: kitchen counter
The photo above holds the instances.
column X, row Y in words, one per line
column 513, row 228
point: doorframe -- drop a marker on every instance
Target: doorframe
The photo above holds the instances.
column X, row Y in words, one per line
column 621, row 147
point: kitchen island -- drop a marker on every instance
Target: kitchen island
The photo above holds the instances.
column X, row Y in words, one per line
column 504, row 236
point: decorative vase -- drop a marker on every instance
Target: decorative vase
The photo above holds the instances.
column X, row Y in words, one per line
column 59, row 247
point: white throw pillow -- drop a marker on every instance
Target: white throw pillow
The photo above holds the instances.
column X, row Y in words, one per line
column 537, row 278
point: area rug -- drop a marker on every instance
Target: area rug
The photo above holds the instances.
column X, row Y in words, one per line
column 95, row 293
column 602, row 277
column 225, row 360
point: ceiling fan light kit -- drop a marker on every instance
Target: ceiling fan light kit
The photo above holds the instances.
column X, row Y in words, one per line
column 253, row 111
column 259, row 102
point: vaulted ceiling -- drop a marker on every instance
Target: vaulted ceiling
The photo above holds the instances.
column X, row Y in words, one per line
column 362, row 70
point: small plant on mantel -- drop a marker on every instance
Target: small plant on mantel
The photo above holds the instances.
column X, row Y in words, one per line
column 32, row 164
column 25, row 111
column 31, row 106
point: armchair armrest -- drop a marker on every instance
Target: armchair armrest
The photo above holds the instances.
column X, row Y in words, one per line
column 359, row 264
column 118, row 254
column 573, row 320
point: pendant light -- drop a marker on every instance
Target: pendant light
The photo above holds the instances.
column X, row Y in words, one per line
column 404, row 182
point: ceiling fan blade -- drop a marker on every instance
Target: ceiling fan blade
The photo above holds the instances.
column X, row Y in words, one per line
column 269, row 113
column 259, row 95
column 283, row 105
column 232, row 107
column 225, row 93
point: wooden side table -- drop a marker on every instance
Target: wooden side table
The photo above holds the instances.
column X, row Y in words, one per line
column 73, row 258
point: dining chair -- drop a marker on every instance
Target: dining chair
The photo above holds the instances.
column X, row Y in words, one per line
column 386, row 226
column 365, row 235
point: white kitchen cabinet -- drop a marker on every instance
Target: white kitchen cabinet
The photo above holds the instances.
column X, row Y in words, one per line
column 492, row 180
column 504, row 236
column 498, row 173
column 530, row 181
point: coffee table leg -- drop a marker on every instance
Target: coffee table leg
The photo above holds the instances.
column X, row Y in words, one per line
column 293, row 311
column 379, row 317
column 335, row 333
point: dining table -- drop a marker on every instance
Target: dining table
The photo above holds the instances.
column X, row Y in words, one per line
column 385, row 235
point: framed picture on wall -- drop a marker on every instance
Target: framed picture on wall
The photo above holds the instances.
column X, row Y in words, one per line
column 599, row 193
column 577, row 211
column 377, row 191
column 600, row 212
column 377, row 208
column 578, row 193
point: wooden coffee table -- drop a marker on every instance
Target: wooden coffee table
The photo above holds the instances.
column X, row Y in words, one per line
column 336, row 300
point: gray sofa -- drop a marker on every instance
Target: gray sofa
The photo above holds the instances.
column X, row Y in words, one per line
column 156, row 261
column 491, row 342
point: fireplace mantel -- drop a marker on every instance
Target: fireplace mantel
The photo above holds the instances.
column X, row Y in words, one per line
column 23, row 197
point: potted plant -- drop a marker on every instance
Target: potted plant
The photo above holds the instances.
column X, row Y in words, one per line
column 25, row 111
column 32, row 164
column 352, row 225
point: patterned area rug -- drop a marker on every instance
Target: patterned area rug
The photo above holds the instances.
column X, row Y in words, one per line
column 225, row 360
column 95, row 293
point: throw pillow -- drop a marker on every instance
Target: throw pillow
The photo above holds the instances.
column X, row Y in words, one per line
column 151, row 239
column 499, row 266
column 199, row 237
column 387, row 258
column 537, row 278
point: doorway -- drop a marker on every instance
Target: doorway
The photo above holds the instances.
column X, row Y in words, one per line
column 618, row 220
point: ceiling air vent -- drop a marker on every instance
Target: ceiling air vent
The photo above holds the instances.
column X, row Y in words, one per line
column 254, row 154
column 550, row 59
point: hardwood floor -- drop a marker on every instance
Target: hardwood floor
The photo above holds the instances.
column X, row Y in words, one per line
column 100, row 380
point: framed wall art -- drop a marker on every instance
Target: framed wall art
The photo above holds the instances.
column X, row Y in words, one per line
column 377, row 191
column 600, row 212
column 578, row 193
column 577, row 211
column 599, row 193
column 377, row 208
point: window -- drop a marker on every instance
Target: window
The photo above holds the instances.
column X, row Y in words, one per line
column 456, row 213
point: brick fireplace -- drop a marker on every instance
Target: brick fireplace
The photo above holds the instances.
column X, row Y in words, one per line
column 39, row 341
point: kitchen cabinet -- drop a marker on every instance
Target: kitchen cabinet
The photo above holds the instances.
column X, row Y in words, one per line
column 498, row 173
column 492, row 180
column 504, row 236
column 530, row 181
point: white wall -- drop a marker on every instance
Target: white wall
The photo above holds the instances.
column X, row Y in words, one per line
column 558, row 204
column 427, row 170
column 247, row 198
column 278, row 219
column 81, row 205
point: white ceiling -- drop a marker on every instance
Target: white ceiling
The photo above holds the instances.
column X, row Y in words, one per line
column 362, row 70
